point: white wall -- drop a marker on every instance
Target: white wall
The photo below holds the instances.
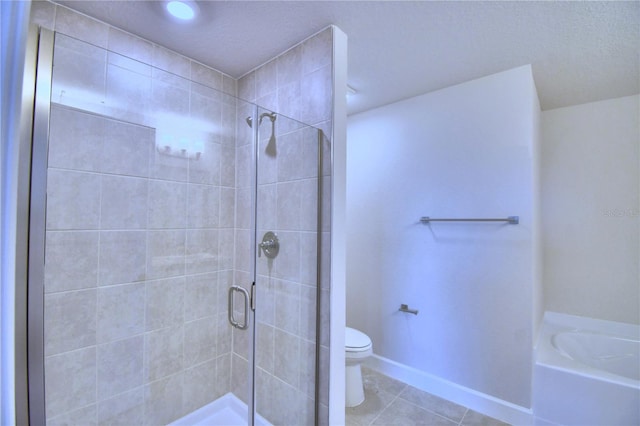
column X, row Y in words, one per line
column 465, row 151
column 591, row 209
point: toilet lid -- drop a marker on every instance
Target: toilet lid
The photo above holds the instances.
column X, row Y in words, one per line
column 355, row 339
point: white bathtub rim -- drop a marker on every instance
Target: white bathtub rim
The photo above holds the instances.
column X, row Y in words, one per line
column 574, row 322
column 545, row 354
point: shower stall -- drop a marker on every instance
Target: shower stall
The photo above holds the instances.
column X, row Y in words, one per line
column 175, row 248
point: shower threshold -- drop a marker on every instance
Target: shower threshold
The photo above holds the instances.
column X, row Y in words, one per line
column 228, row 410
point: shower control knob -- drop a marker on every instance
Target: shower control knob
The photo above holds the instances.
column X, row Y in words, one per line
column 269, row 245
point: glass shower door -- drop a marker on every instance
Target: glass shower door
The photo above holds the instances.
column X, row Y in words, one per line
column 277, row 245
column 138, row 241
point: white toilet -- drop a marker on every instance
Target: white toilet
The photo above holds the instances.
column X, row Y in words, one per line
column 357, row 347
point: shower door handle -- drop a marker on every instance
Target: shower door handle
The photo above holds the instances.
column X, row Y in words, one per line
column 245, row 296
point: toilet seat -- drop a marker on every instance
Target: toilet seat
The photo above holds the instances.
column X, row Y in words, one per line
column 356, row 341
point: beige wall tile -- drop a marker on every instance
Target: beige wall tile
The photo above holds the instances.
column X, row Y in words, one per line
column 119, row 366
column 290, row 100
column 171, row 61
column 207, row 76
column 205, row 105
column 124, row 409
column 288, row 208
column 75, row 139
column 120, row 311
column 81, row 27
column 289, row 157
column 164, row 304
column 226, row 240
column 243, row 250
column 309, row 259
column 128, row 150
column 308, row 310
column 287, row 297
column 202, row 251
column 315, row 89
column 82, row 416
column 227, row 207
column 266, row 79
column 163, row 400
column 289, row 255
column 124, row 202
column 266, row 289
column 307, row 370
column 79, row 71
column 265, row 347
column 163, row 353
column 206, row 168
column 204, row 206
column 308, row 204
column 71, row 260
column 200, row 342
column 247, row 87
column 317, row 51
column 128, row 90
column 290, row 66
column 286, row 364
column 199, row 385
column 200, row 297
column 130, row 46
column 69, row 321
column 223, row 375
column 71, row 381
column 167, row 204
column 123, row 257
column 73, row 200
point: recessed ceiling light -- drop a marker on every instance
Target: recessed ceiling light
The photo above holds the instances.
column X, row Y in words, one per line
column 184, row 10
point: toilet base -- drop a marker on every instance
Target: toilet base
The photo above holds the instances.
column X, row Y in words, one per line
column 354, row 390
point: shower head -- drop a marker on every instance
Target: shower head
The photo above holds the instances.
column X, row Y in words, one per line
column 271, row 115
column 271, row 146
column 270, row 150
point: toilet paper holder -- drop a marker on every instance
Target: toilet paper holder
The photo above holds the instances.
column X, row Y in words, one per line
column 405, row 308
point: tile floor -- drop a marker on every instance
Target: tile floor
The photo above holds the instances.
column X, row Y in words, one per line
column 391, row 402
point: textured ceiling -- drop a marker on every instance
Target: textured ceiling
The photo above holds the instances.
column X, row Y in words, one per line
column 580, row 51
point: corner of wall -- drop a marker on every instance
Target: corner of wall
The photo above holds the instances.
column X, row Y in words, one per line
column 538, row 287
column 338, row 225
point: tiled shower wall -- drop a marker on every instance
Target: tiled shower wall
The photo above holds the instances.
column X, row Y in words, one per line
column 139, row 243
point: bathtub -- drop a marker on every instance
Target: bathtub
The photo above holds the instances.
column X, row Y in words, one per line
column 586, row 372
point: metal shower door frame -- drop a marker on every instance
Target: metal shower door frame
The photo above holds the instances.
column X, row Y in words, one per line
column 43, row 40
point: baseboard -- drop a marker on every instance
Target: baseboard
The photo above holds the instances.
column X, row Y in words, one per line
column 477, row 401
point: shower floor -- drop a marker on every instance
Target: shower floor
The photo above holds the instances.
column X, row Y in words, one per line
column 227, row 410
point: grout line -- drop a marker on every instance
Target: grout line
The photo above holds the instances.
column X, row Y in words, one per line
column 463, row 417
column 388, row 405
column 433, row 412
column 383, row 410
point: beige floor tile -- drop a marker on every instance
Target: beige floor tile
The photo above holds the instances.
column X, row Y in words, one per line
column 403, row 413
column 374, row 380
column 434, row 403
column 390, row 402
column 375, row 401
